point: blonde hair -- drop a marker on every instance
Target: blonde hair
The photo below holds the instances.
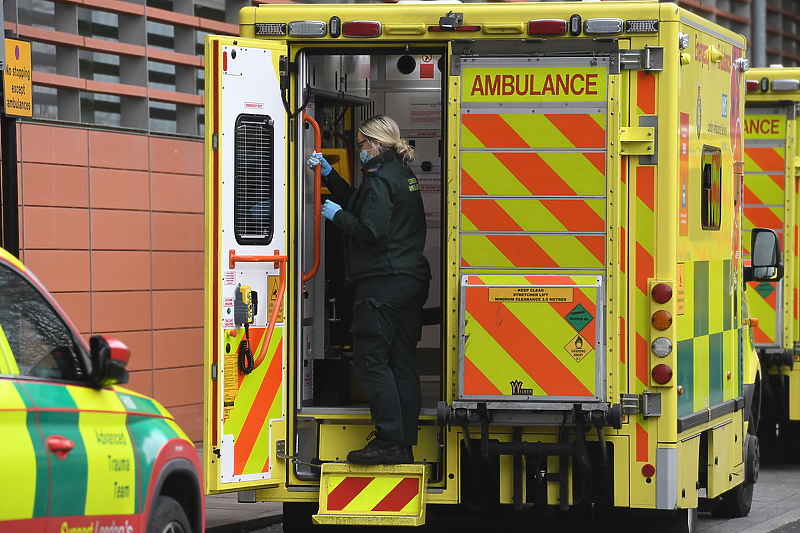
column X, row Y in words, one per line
column 384, row 130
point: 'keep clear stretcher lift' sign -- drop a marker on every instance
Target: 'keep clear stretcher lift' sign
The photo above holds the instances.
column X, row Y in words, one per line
column 17, row 85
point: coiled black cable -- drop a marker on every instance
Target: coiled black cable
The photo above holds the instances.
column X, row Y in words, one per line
column 246, row 362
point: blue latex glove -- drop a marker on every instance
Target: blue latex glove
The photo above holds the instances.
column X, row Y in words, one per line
column 329, row 209
column 317, row 159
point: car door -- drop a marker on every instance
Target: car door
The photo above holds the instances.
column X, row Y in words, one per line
column 92, row 468
column 23, row 460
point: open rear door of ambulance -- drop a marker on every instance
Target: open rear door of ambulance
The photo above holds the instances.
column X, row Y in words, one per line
column 246, row 264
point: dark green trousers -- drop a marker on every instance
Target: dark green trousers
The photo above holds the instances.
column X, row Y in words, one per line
column 387, row 324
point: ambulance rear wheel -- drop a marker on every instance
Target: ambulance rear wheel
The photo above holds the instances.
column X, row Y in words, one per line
column 168, row 517
column 789, row 437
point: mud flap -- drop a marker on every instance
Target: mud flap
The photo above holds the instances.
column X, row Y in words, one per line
column 379, row 495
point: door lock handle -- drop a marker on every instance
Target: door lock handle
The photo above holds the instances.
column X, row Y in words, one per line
column 61, row 446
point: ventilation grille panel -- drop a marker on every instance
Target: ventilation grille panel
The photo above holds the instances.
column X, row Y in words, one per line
column 254, row 174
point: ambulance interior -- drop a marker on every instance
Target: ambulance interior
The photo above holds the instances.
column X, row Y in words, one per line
column 341, row 92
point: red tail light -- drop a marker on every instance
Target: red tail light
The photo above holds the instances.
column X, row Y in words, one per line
column 361, row 28
column 661, row 374
column 662, row 293
column 752, row 85
column 547, row 27
column 648, row 470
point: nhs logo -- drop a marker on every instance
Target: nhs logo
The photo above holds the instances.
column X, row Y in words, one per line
column 725, row 105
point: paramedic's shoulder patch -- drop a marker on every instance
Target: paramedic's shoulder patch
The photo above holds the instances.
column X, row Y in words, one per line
column 374, row 170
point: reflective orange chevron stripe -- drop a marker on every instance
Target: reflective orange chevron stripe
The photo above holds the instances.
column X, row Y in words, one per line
column 762, row 217
column 534, row 174
column 476, row 383
column 766, row 159
column 642, row 360
column 646, row 93
column 492, row 131
column 257, row 417
column 579, row 129
column 469, row 185
column 524, row 347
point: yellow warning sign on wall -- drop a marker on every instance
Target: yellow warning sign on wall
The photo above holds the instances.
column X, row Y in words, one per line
column 17, row 85
column 530, row 294
column 273, row 284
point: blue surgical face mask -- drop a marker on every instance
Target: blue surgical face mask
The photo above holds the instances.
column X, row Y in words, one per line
column 364, row 155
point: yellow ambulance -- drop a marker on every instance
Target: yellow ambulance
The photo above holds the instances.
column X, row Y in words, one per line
column 586, row 342
column 770, row 200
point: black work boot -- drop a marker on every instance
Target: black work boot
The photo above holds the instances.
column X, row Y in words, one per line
column 409, row 453
column 379, row 451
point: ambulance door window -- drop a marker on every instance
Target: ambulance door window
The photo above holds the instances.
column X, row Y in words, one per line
column 711, row 188
column 254, row 173
column 42, row 343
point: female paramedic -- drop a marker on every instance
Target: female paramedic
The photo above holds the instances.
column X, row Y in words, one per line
column 383, row 221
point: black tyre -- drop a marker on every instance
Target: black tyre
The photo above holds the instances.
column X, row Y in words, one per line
column 297, row 517
column 789, row 439
column 737, row 502
column 168, row 516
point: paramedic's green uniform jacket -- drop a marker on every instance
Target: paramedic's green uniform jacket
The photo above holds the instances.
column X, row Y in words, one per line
column 383, row 221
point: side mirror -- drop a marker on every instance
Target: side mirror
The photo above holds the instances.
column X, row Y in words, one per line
column 109, row 358
column 766, row 259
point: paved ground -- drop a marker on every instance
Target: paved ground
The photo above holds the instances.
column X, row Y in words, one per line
column 776, row 508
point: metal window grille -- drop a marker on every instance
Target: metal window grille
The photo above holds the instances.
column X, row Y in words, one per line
column 254, row 174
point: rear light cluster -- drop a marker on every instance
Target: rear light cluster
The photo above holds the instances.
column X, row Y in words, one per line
column 780, row 86
column 372, row 28
column 661, row 320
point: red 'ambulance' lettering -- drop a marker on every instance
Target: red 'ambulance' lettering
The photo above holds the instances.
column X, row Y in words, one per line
column 763, row 126
column 525, row 84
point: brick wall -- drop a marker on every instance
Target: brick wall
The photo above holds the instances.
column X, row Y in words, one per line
column 112, row 224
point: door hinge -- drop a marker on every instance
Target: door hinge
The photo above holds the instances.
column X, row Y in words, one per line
column 650, row 58
column 635, row 140
column 647, row 404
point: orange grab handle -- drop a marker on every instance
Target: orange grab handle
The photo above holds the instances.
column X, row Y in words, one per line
column 317, row 197
column 278, row 260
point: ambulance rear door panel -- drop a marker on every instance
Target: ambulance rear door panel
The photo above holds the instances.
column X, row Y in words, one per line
column 247, row 413
column 764, row 201
column 533, row 234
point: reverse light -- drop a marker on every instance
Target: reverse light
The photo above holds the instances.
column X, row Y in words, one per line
column 764, row 85
column 308, row 28
column 641, row 26
column 270, row 28
column 661, row 320
column 752, row 85
column 662, row 293
column 785, row 85
column 575, row 25
column 661, row 347
column 602, row 26
column 661, row 374
column 335, row 24
column 547, row 27
column 361, row 28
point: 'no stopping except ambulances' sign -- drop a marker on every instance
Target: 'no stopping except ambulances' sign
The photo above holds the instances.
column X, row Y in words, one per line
column 17, row 86
column 541, row 84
